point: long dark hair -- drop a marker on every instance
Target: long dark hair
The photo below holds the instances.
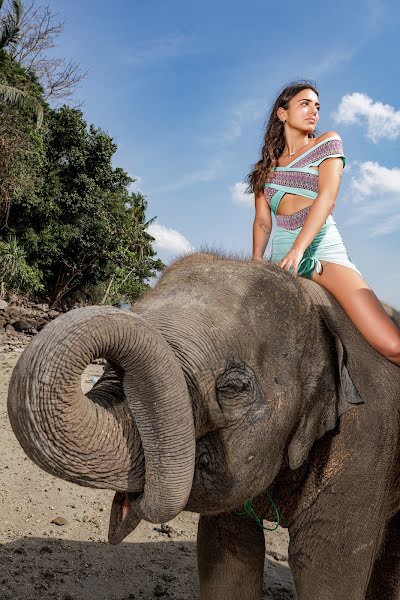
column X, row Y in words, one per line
column 274, row 138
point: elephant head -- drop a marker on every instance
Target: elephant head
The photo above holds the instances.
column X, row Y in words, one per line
column 224, row 373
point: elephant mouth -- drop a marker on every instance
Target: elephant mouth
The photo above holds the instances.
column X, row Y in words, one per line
column 123, row 517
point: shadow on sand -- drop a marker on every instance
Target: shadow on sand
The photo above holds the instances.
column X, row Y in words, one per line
column 43, row 569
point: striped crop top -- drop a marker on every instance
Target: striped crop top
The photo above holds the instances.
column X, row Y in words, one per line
column 298, row 177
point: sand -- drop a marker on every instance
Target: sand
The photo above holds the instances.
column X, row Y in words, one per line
column 40, row 560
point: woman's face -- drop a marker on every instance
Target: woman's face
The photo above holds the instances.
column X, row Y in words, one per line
column 302, row 112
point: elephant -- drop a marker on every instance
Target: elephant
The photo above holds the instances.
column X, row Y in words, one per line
column 229, row 381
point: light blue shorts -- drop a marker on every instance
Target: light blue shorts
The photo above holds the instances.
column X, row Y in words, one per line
column 327, row 245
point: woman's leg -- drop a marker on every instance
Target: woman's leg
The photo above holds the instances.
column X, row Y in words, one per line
column 363, row 308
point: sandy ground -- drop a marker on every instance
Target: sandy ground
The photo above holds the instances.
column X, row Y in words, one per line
column 40, row 560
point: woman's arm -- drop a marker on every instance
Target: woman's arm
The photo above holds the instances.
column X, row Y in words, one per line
column 262, row 227
column 330, row 174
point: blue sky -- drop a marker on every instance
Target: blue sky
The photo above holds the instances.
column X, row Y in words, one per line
column 184, row 88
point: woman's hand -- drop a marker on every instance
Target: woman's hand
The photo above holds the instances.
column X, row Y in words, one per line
column 291, row 260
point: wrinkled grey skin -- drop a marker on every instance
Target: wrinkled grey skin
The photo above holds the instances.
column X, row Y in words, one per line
column 230, row 380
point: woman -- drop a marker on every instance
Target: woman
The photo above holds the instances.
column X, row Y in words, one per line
column 298, row 178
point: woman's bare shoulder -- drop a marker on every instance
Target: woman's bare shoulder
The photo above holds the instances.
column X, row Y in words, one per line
column 327, row 134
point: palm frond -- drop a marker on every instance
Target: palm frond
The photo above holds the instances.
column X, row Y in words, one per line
column 8, row 31
column 150, row 221
column 21, row 99
column 9, row 25
column 18, row 10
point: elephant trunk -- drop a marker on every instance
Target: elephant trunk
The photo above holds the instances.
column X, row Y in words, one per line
column 92, row 440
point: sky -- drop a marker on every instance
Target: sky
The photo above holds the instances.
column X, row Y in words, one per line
column 185, row 88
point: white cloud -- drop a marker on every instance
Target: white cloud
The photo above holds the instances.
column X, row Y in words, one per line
column 239, row 196
column 158, row 50
column 136, row 186
column 375, row 190
column 382, row 120
column 195, row 177
column 387, row 226
column 245, row 112
column 332, row 59
column 375, row 14
column 374, row 179
column 169, row 240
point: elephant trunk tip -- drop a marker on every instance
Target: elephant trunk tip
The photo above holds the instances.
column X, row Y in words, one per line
column 123, row 517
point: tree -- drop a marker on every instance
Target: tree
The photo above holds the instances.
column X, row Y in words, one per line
column 21, row 143
column 84, row 227
column 9, row 28
column 68, row 224
column 15, row 273
column 38, row 31
column 132, row 262
column 9, row 24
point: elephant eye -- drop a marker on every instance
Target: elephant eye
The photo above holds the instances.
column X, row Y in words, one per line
column 239, row 394
column 234, row 385
column 235, row 380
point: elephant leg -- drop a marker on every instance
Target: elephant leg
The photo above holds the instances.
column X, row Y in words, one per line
column 332, row 550
column 385, row 580
column 230, row 554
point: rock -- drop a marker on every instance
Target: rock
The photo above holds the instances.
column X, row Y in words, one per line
column 42, row 307
column 48, row 574
column 23, row 325
column 165, row 529
column 160, row 590
column 13, row 312
column 10, row 331
column 278, row 557
column 53, row 314
column 40, row 323
column 59, row 521
column 3, row 304
column 99, row 361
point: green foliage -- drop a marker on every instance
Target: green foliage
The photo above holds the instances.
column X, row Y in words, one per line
column 83, row 227
column 123, row 287
column 15, row 95
column 16, row 274
column 21, row 144
column 9, row 23
column 22, row 100
column 66, row 214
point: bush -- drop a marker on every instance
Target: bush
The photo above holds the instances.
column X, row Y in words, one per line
column 15, row 273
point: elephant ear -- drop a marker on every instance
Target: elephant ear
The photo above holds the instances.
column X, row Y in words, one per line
column 328, row 392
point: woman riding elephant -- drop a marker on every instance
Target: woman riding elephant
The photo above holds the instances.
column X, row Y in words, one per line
column 297, row 178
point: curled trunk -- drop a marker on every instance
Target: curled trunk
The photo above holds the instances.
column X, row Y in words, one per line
column 93, row 440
